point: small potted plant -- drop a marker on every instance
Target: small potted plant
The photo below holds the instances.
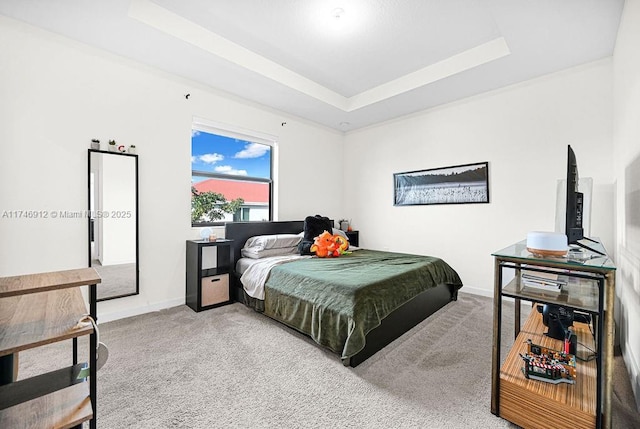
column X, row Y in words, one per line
column 132, row 148
column 95, row 144
column 112, row 146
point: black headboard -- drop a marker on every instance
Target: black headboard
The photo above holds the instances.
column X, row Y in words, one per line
column 239, row 232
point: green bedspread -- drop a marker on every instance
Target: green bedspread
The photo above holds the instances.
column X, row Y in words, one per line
column 337, row 301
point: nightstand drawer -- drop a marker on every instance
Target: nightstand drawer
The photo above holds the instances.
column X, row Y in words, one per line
column 215, row 289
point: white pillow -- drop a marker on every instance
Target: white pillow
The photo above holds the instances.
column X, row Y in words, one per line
column 275, row 241
column 252, row 253
column 340, row 233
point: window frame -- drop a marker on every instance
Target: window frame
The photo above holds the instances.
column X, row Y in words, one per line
column 203, row 125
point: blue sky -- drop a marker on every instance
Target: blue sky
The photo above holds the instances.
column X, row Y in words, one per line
column 218, row 154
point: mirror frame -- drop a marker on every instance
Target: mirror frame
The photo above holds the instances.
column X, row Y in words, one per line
column 135, row 157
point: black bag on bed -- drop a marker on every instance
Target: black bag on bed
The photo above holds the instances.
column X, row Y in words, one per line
column 313, row 227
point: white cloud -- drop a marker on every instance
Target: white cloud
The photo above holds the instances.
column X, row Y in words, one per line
column 195, row 133
column 193, row 159
column 227, row 169
column 252, row 150
column 211, row 158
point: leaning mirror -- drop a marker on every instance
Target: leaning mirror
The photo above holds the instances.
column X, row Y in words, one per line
column 113, row 222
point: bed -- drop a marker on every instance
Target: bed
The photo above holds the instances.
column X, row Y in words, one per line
column 309, row 294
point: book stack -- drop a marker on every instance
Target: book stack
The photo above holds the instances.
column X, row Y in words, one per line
column 548, row 282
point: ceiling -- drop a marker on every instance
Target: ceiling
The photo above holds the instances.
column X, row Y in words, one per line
column 380, row 59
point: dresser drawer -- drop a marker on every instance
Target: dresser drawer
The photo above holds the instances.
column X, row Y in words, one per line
column 215, row 289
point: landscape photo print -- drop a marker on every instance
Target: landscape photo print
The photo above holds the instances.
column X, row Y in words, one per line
column 459, row 184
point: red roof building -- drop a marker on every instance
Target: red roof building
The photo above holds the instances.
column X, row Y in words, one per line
column 250, row 192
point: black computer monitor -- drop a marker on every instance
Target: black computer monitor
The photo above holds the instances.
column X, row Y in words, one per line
column 574, row 208
column 575, row 198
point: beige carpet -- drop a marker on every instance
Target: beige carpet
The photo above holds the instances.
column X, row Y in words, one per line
column 233, row 368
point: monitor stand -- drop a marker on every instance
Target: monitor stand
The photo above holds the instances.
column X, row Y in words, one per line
column 584, row 246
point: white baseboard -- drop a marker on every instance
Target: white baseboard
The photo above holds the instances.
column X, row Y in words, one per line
column 477, row 291
column 116, row 315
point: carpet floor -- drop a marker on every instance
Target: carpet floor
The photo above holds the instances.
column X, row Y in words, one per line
column 230, row 367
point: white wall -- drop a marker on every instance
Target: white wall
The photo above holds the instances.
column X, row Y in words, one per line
column 626, row 135
column 56, row 95
column 523, row 132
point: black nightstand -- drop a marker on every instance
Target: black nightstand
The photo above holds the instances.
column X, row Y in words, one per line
column 354, row 237
column 208, row 287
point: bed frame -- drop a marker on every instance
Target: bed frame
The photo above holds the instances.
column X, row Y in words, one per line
column 392, row 327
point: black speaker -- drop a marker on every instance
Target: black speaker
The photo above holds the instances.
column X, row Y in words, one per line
column 557, row 319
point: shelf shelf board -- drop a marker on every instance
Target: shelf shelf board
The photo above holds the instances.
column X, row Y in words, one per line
column 215, row 271
column 581, row 294
column 519, row 253
column 218, row 242
column 62, row 409
column 42, row 282
column 15, row 393
column 563, row 405
column 34, row 320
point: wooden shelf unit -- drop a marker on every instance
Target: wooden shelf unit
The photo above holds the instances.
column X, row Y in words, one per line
column 590, row 288
column 39, row 309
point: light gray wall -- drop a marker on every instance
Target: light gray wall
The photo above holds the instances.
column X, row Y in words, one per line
column 56, row 95
column 523, row 132
column 626, row 134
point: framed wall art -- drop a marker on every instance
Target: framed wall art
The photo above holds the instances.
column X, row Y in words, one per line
column 458, row 184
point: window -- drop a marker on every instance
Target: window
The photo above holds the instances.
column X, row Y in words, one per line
column 231, row 176
column 245, row 214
